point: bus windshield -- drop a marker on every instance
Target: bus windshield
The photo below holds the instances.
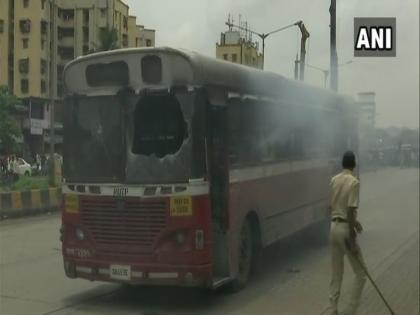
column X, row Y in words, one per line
column 142, row 139
column 93, row 139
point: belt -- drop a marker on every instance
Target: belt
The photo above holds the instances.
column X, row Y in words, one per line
column 338, row 219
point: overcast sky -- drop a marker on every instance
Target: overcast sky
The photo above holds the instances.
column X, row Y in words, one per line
column 197, row 24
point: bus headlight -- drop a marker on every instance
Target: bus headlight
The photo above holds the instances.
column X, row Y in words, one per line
column 80, row 235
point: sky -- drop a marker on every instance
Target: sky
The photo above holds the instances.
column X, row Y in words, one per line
column 196, row 25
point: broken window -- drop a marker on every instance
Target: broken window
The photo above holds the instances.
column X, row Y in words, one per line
column 159, row 126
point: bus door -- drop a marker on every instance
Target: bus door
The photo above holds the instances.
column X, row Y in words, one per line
column 217, row 164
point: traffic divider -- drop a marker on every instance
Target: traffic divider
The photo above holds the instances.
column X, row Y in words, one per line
column 20, row 203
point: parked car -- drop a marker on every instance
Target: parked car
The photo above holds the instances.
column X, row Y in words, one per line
column 23, row 168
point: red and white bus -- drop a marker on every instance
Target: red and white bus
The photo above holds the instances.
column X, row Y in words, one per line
column 179, row 168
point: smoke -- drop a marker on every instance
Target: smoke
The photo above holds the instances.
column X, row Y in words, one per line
column 196, row 25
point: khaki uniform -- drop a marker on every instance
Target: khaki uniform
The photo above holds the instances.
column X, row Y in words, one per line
column 344, row 194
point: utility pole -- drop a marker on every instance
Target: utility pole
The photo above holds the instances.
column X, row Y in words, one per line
column 263, row 36
column 53, row 80
column 305, row 36
column 333, row 48
column 297, row 67
column 324, row 71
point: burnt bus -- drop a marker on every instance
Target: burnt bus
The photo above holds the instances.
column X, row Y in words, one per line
column 179, row 168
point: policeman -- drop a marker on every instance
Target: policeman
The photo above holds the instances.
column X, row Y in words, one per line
column 343, row 205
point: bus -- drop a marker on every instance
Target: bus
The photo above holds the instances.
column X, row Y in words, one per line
column 179, row 168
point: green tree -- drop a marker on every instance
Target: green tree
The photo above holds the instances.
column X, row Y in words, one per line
column 9, row 128
column 108, row 39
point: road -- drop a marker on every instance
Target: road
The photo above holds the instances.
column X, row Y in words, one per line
column 294, row 279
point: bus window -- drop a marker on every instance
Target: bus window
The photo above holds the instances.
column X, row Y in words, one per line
column 151, row 69
column 107, row 74
column 159, row 126
column 258, row 132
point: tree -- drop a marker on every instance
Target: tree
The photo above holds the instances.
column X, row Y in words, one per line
column 108, row 39
column 9, row 129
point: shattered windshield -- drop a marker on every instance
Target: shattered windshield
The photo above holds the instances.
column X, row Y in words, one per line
column 159, row 126
column 159, row 133
column 155, row 130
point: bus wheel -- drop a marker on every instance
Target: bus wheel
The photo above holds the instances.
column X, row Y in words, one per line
column 245, row 258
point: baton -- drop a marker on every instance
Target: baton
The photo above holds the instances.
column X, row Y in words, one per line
column 355, row 255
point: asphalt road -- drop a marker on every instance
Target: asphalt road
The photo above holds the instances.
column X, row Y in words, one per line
column 294, row 277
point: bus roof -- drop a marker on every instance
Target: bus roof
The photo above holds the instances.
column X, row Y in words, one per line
column 209, row 71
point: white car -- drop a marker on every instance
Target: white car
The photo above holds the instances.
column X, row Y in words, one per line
column 22, row 167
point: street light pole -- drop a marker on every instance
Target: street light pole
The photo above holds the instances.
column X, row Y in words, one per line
column 333, row 48
column 263, row 36
column 327, row 72
column 305, row 36
column 324, row 71
column 53, row 75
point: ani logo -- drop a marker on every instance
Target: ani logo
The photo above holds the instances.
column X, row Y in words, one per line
column 375, row 37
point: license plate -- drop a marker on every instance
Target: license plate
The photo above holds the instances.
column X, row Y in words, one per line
column 120, row 272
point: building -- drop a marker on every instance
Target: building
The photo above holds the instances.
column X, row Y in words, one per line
column 37, row 39
column 138, row 35
column 237, row 46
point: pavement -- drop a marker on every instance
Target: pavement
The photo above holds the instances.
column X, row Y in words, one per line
column 294, row 277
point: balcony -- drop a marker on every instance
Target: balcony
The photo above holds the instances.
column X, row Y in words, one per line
column 66, row 17
column 85, row 35
column 44, row 66
column 85, row 17
column 66, row 42
column 66, row 53
column 60, row 70
column 24, row 66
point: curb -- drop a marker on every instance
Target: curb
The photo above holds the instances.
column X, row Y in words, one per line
column 20, row 203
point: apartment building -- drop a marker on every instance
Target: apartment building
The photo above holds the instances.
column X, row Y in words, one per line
column 138, row 35
column 37, row 39
column 237, row 46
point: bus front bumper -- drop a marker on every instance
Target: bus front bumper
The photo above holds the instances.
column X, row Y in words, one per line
column 141, row 274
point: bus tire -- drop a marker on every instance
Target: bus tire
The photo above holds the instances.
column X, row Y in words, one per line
column 245, row 258
column 256, row 243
